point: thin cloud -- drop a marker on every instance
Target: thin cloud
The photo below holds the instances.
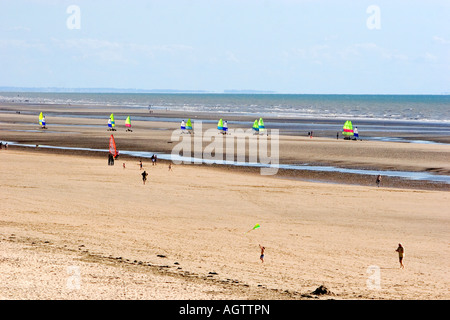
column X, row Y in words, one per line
column 440, row 40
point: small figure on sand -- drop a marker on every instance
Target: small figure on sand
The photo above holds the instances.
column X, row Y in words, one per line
column 154, row 159
column 401, row 255
column 378, row 181
column 140, row 164
column 110, row 159
column 261, row 257
column 144, row 176
column 170, row 166
column 124, row 165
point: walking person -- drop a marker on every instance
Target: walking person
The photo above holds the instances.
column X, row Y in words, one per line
column 144, row 176
column 378, row 181
column 401, row 255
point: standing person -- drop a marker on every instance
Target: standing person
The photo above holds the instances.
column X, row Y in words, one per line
column 140, row 164
column 378, row 181
column 170, row 166
column 153, row 159
column 337, row 135
column 156, row 159
column 401, row 255
column 144, row 176
column 261, row 257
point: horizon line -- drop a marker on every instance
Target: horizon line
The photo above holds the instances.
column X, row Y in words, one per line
column 14, row 89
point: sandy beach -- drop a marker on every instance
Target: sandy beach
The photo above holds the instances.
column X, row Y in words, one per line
column 73, row 227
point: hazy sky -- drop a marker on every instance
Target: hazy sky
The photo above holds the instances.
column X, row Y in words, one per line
column 286, row 46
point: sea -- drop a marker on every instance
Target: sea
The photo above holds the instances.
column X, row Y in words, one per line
column 415, row 108
column 399, row 118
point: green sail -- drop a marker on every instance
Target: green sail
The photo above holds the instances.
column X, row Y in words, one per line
column 220, row 124
column 348, row 128
column 189, row 124
column 128, row 122
column 261, row 124
column 256, row 125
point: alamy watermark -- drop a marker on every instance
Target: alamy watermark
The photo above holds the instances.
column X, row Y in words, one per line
column 74, row 278
column 373, row 282
column 373, row 22
column 227, row 148
column 74, row 20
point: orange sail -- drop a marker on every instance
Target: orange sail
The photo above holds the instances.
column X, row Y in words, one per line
column 112, row 146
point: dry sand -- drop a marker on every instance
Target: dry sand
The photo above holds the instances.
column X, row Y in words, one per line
column 183, row 234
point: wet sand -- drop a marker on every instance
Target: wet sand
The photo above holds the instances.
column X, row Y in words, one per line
column 183, row 234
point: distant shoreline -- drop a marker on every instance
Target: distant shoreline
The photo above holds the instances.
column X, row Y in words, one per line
column 370, row 129
column 175, row 91
column 86, row 128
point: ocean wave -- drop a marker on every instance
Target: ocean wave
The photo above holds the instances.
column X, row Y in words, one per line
column 433, row 109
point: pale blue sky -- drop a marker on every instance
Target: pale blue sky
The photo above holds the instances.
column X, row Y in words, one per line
column 286, row 46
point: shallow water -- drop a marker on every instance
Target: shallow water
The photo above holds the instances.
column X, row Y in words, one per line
column 411, row 175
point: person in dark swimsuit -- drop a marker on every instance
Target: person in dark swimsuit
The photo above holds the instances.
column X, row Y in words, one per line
column 261, row 257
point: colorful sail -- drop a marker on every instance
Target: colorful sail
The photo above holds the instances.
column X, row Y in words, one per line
column 112, row 146
column 42, row 119
column 128, row 122
column 183, row 125
column 355, row 132
column 261, row 124
column 113, row 123
column 348, row 128
column 189, row 124
column 220, row 125
column 255, row 125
